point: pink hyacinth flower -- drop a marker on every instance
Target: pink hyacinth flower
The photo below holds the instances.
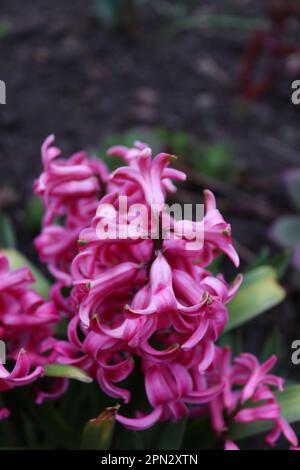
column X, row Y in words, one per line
column 230, row 445
column 70, row 190
column 148, row 175
column 245, row 382
column 20, row 374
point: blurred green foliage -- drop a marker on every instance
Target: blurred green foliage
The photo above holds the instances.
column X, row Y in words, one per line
column 273, row 345
column 259, row 292
column 116, row 13
column 279, row 261
column 34, row 215
column 286, row 230
column 121, row 13
column 217, row 159
column 7, row 232
column 293, row 186
column 5, row 30
column 98, row 432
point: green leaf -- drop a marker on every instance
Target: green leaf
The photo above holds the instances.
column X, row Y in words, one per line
column 124, row 439
column 97, row 433
column 259, row 292
column 5, row 30
column 162, row 436
column 289, row 401
column 218, row 160
column 17, row 260
column 234, row 340
column 200, row 435
column 56, row 429
column 280, row 261
column 171, row 436
column 7, row 233
column 69, row 372
column 182, row 143
column 34, row 214
column 286, row 231
column 273, row 345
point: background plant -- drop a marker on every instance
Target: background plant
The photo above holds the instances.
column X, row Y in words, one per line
column 286, row 230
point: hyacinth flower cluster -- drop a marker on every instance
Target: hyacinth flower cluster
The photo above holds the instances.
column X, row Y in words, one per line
column 247, row 396
column 70, row 190
column 144, row 303
column 26, row 327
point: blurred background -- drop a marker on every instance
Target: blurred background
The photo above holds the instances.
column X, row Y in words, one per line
column 209, row 81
